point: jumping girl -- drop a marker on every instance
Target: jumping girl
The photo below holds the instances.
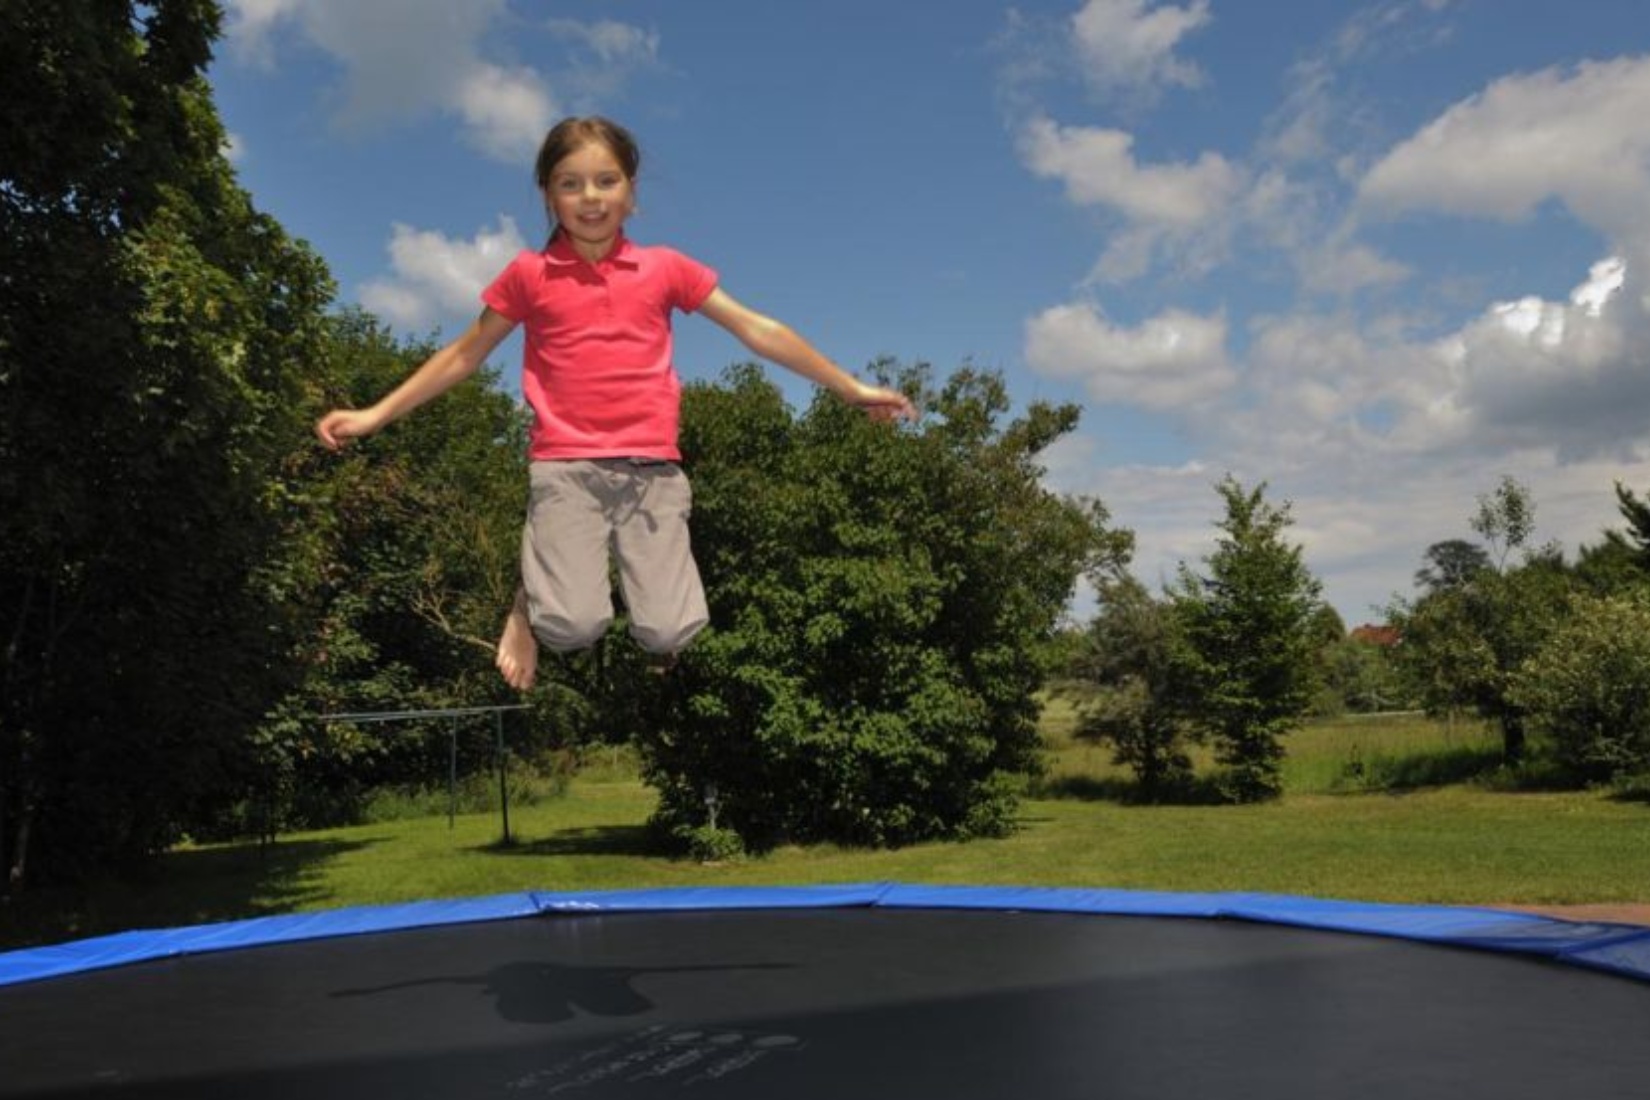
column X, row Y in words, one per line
column 598, row 375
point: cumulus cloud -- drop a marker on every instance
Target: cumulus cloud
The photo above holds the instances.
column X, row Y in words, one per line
column 434, row 277
column 1574, row 135
column 1158, row 203
column 1173, row 361
column 1378, row 413
column 401, row 59
column 507, row 110
column 1130, row 44
column 1574, row 375
column 1098, row 167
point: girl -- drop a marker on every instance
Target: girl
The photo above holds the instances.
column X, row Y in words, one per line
column 598, row 375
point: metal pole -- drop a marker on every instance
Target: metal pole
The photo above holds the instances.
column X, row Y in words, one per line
column 452, row 753
column 503, row 785
column 452, row 775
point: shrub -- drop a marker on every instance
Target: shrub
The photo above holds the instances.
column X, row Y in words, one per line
column 1588, row 687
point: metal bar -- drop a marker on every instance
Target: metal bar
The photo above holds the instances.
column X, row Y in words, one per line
column 452, row 777
column 503, row 786
column 408, row 715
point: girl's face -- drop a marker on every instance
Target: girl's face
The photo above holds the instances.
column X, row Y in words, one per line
column 590, row 197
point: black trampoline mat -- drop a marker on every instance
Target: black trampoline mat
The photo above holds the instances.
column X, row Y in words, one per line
column 833, row 1003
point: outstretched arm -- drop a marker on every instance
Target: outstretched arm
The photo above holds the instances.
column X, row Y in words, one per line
column 438, row 374
column 776, row 341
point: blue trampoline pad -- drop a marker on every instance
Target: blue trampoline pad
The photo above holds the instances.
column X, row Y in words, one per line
column 880, row 991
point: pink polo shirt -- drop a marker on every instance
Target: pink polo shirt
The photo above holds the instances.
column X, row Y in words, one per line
column 597, row 367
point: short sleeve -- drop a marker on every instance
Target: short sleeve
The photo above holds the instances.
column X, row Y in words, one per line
column 692, row 280
column 507, row 295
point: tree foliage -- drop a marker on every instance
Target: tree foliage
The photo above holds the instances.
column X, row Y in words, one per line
column 1587, row 687
column 1248, row 640
column 1140, row 706
column 878, row 597
column 1451, row 564
column 1463, row 645
column 401, row 567
column 153, row 326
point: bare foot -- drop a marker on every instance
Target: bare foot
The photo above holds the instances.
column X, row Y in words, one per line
column 518, row 651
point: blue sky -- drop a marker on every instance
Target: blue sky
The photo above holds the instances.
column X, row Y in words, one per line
column 1377, row 255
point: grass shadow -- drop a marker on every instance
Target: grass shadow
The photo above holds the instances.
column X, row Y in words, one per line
column 183, row 887
column 1197, row 791
column 593, row 840
column 1420, row 771
column 1638, row 792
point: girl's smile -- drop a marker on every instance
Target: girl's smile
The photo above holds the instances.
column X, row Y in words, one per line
column 590, row 197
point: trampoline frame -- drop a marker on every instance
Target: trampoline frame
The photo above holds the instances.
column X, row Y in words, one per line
column 1621, row 949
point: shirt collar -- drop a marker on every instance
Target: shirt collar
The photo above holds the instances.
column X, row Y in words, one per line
column 560, row 252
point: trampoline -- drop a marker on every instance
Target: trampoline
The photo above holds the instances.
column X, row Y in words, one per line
column 874, row 991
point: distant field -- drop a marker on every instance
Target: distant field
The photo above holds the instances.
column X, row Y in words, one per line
column 1382, row 809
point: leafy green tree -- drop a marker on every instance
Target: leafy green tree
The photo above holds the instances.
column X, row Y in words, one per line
column 1463, row 646
column 1622, row 561
column 153, row 331
column 403, row 568
column 1248, row 641
column 1588, row 687
column 1362, row 674
column 1451, row 564
column 879, row 596
column 1505, row 519
column 1139, row 708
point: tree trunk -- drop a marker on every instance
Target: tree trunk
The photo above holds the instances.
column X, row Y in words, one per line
column 1512, row 738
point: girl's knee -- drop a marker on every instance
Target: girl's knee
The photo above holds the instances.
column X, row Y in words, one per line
column 563, row 635
column 666, row 640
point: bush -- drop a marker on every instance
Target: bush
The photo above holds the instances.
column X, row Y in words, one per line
column 1588, row 688
column 881, row 596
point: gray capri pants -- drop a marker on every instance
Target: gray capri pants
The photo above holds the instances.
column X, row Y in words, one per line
column 580, row 513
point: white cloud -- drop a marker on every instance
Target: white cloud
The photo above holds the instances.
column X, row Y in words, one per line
column 508, row 111
column 402, row 59
column 1160, row 204
column 1097, row 167
column 1573, row 376
column 251, row 24
column 1130, row 44
column 611, row 42
column 1578, row 136
column 436, row 277
column 1380, row 417
column 1174, row 361
column 1341, row 268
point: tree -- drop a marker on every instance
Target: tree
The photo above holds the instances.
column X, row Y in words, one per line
column 1588, row 687
column 1622, row 561
column 1451, row 564
column 1248, row 641
column 1505, row 519
column 405, row 564
column 1140, row 707
column 1463, row 646
column 878, row 598
column 153, row 331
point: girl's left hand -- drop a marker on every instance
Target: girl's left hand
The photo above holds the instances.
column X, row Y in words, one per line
column 882, row 404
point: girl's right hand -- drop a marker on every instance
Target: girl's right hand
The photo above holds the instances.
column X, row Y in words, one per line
column 340, row 426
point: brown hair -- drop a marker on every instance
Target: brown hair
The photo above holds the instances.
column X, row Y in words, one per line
column 571, row 134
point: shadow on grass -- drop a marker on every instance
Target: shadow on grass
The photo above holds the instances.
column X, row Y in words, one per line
column 1420, row 771
column 1128, row 792
column 595, row 840
column 184, row 887
column 1638, row 791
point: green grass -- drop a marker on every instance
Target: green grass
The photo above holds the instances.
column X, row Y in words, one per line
column 1377, row 809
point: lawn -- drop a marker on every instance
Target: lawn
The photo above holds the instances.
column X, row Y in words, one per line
column 1385, row 809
